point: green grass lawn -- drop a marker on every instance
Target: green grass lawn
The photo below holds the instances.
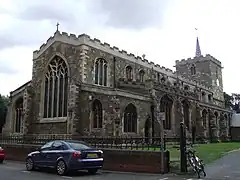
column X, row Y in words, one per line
column 207, row 152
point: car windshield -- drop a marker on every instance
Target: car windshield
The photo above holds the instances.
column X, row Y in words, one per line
column 78, row 146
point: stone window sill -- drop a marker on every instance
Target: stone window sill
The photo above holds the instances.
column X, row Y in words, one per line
column 17, row 134
column 130, row 133
column 53, row 120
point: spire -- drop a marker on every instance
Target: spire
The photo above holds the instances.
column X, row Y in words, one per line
column 198, row 50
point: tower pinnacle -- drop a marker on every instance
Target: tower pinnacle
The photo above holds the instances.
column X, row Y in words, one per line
column 198, row 50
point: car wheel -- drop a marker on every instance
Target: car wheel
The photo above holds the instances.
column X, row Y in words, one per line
column 92, row 171
column 1, row 161
column 30, row 164
column 61, row 168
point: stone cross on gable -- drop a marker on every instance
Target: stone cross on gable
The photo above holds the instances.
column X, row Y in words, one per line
column 57, row 25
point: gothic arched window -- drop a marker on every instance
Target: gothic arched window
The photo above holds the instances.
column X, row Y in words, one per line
column 166, row 107
column 101, row 72
column 204, row 118
column 130, row 119
column 56, row 89
column 193, row 70
column 18, row 115
column 129, row 73
column 141, row 75
column 158, row 77
column 97, row 114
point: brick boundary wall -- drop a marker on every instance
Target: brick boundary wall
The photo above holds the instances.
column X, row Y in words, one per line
column 114, row 159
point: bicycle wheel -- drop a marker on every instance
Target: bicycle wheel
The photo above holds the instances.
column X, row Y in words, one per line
column 200, row 165
column 192, row 160
column 197, row 164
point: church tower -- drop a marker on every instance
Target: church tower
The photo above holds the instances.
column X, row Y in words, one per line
column 206, row 70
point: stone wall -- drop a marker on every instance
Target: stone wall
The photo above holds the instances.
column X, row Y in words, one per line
column 84, row 115
column 114, row 160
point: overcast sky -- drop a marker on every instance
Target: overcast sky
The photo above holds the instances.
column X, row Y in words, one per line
column 164, row 30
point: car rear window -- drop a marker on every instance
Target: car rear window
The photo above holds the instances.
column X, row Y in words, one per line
column 78, row 146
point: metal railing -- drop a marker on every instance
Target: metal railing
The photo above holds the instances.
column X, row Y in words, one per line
column 130, row 143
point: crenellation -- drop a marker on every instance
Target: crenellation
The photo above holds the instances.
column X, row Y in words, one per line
column 131, row 55
column 163, row 67
column 84, row 36
column 115, row 48
column 169, row 70
column 157, row 65
column 214, row 59
column 91, row 40
column 49, row 40
column 194, row 59
column 139, row 58
column 73, row 36
column 97, row 40
column 151, row 63
column 64, row 34
column 42, row 46
column 145, row 60
column 124, row 52
column 106, row 45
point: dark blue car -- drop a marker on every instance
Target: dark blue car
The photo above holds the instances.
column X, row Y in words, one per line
column 65, row 156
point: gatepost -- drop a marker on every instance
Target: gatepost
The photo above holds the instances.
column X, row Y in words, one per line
column 162, row 149
column 183, row 157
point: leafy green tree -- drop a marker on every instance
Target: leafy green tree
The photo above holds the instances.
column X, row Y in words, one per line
column 4, row 100
column 228, row 100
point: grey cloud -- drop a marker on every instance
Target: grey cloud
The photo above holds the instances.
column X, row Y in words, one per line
column 135, row 14
column 20, row 34
column 46, row 12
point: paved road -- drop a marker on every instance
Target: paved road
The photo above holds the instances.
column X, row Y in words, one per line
column 227, row 168
column 16, row 171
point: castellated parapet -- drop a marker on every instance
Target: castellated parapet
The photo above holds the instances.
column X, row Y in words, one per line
column 115, row 51
column 207, row 57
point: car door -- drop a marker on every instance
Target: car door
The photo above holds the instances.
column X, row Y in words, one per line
column 40, row 159
column 54, row 153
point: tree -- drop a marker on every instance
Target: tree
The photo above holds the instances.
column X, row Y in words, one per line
column 4, row 100
column 228, row 100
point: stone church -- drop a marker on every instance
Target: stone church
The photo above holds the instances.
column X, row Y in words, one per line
column 82, row 86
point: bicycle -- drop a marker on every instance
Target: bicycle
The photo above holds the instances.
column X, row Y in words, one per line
column 195, row 161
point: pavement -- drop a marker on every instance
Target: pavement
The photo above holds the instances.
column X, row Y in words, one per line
column 226, row 168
